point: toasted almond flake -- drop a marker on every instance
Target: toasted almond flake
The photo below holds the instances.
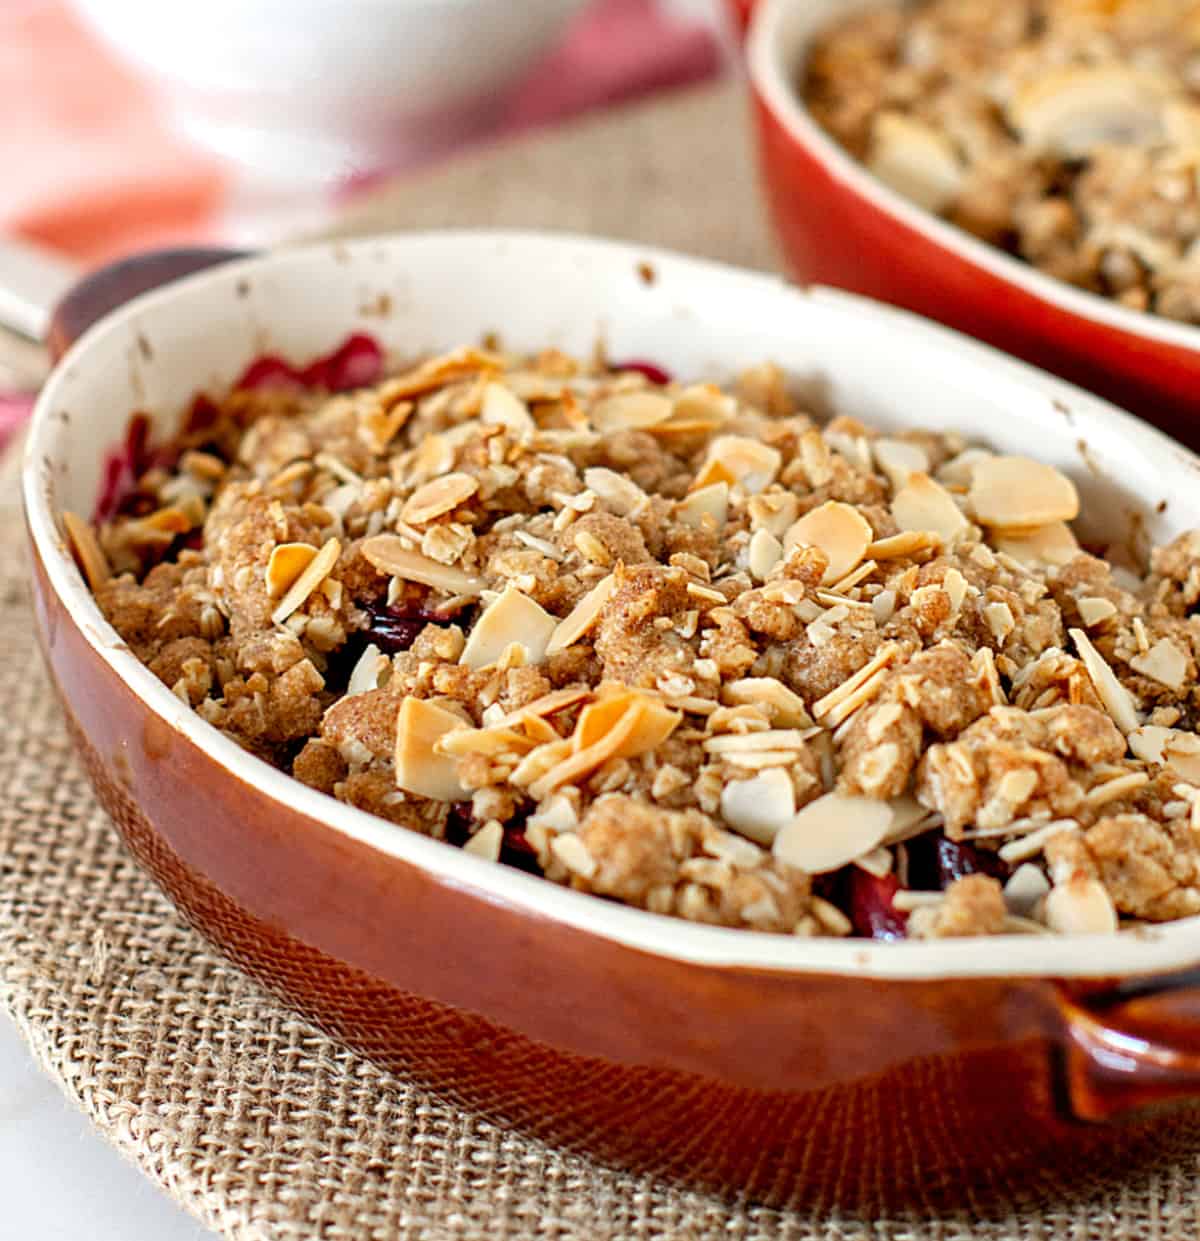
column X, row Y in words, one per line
column 999, row 619
column 760, row 806
column 1071, row 109
column 831, row 917
column 87, row 549
column 655, row 723
column 617, row 492
column 766, row 551
column 631, row 411
column 884, row 606
column 316, row 571
column 785, row 707
column 824, row 708
column 1025, row 888
column 1031, row 845
column 491, row 741
column 758, row 760
column 915, row 159
column 1149, row 742
column 643, row 726
column 831, row 831
column 839, row 530
column 983, row 664
column 704, row 594
column 906, row 543
column 537, row 763
column 287, row 562
column 708, row 502
column 548, row 704
column 957, row 589
column 486, row 842
column 1015, row 787
column 957, row 471
column 877, row 862
column 899, row 460
column 388, row 554
column 1053, row 544
column 502, row 407
column 1117, row 700
column 922, row 506
column 367, row 671
column 338, row 468
column 832, row 600
column 1164, row 662
column 767, row 739
column 739, row 459
column 1182, row 753
column 1093, row 609
column 574, row 855
column 909, row 818
column 851, row 580
column 420, row 769
column 1080, row 907
column 439, row 496
column 512, row 618
column 704, row 405
column 1111, row 790
column 1140, row 634
column 438, row 372
column 582, row 616
column 1018, row 493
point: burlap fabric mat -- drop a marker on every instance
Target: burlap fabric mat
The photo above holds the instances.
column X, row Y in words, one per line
column 250, row 1117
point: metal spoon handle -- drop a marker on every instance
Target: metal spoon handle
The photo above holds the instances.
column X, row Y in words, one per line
column 32, row 282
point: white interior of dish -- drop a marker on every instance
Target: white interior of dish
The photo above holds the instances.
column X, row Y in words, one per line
column 777, row 46
column 697, row 318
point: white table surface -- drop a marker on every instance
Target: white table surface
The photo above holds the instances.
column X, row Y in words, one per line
column 61, row 1181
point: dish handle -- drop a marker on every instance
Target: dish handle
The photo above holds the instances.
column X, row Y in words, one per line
column 1132, row 1046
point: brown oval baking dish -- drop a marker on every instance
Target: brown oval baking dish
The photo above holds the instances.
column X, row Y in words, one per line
column 785, row 1069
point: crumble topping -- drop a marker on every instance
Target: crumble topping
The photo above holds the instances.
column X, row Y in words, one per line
column 680, row 646
column 1064, row 131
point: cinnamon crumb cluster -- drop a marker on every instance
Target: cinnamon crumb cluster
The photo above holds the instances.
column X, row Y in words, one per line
column 682, row 646
column 1064, row 131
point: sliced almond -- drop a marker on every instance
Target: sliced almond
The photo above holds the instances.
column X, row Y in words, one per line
column 582, row 616
column 548, row 704
column 1149, row 743
column 1024, row 889
column 313, row 574
column 420, row 768
column 441, row 495
column 760, row 806
column 739, row 459
column 1069, row 111
column 832, row 709
column 709, row 502
column 784, row 706
column 1182, row 753
column 617, row 492
column 486, row 842
column 907, row 543
column 1117, row 700
column 599, row 718
column 1080, row 907
column 574, row 855
column 491, row 741
column 899, row 460
column 958, row 470
column 923, row 505
column 839, row 530
column 1053, row 544
column 436, row 373
column 502, row 407
column 87, row 549
column 831, row 832
column 915, row 159
column 389, row 555
column 512, row 618
column 1164, row 662
column 367, row 671
column 765, row 552
column 631, row 411
column 1018, row 493
column 1093, row 609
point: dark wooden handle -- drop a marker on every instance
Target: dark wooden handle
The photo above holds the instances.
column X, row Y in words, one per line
column 1133, row 1046
column 116, row 283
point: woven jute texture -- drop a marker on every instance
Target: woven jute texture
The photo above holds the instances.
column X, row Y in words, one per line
column 247, row 1115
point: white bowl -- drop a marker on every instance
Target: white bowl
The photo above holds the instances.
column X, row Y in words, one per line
column 317, row 89
column 697, row 318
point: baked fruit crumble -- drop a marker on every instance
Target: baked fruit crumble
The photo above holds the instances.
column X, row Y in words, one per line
column 682, row 646
column 1064, row 131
